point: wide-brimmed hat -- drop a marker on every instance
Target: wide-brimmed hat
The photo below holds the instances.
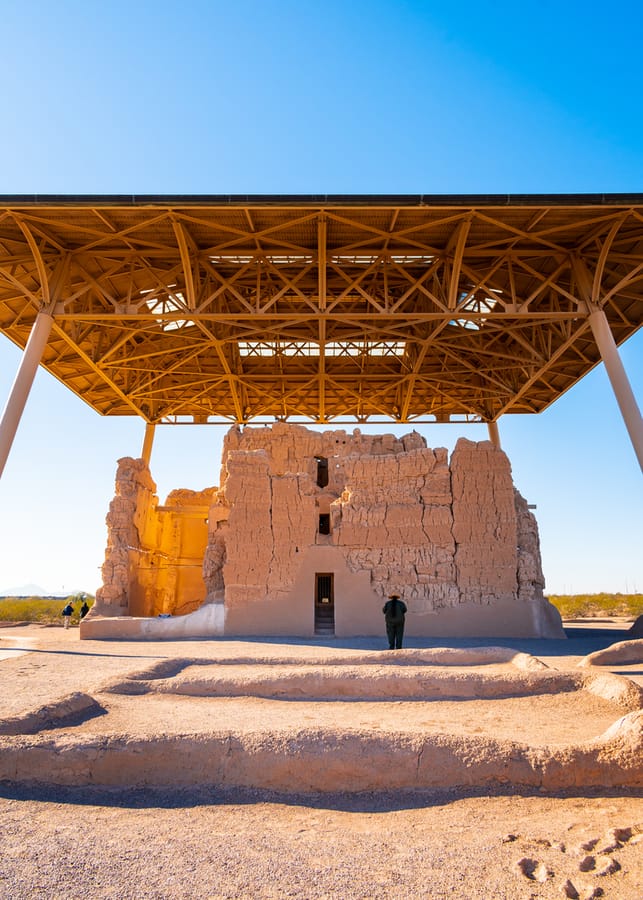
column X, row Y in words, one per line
column 394, row 596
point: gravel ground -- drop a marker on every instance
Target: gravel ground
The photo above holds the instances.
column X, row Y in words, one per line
column 139, row 844
column 163, row 844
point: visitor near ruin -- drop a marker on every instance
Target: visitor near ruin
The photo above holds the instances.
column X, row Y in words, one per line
column 394, row 615
column 67, row 613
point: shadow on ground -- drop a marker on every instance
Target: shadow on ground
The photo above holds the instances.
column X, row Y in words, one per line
column 376, row 801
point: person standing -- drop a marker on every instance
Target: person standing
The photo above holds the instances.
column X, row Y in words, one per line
column 67, row 613
column 84, row 609
column 394, row 612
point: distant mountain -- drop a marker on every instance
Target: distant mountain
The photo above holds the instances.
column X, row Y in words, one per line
column 34, row 590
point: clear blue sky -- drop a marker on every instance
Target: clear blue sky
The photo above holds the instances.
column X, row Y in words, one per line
column 291, row 97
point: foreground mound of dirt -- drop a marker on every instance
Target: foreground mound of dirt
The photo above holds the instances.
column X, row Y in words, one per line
column 294, row 726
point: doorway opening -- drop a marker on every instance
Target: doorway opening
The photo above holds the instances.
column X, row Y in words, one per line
column 324, row 603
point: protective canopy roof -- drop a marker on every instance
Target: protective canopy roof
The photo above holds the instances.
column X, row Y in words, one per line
column 320, row 308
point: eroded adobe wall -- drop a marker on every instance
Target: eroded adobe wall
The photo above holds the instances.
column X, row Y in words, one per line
column 271, row 521
column 454, row 538
column 183, row 530
column 154, row 556
column 272, row 503
column 394, row 520
column 294, row 448
column 457, row 541
column 134, row 497
column 484, row 523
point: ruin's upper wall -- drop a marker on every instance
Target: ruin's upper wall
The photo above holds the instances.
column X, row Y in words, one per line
column 294, row 448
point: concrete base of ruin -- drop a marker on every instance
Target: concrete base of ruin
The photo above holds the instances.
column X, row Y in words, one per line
column 207, row 621
column 536, row 618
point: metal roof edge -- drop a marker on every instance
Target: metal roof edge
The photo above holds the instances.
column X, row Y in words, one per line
column 317, row 200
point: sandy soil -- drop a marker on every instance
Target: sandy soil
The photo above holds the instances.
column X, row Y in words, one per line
column 550, row 713
column 160, row 844
column 165, row 843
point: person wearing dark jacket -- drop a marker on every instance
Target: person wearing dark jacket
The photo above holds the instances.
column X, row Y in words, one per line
column 394, row 611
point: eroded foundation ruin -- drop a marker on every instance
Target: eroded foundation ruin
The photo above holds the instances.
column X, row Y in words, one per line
column 310, row 531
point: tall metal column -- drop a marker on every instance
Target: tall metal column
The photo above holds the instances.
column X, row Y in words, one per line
column 619, row 380
column 148, row 440
column 494, row 434
column 22, row 384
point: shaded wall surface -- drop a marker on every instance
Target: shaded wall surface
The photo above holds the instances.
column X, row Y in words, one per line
column 368, row 515
column 154, row 558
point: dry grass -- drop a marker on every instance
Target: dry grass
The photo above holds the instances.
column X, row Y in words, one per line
column 576, row 606
column 44, row 610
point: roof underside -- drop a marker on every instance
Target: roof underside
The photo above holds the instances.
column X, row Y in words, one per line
column 319, row 309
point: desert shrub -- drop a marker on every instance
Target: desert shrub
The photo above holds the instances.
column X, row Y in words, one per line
column 577, row 606
column 44, row 610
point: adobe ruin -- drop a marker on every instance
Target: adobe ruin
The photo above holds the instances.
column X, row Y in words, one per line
column 309, row 532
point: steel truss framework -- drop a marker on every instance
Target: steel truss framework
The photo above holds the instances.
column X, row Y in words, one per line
column 320, row 309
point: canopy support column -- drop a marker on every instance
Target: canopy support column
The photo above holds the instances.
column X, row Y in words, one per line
column 619, row 380
column 494, row 434
column 22, row 384
column 148, row 440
